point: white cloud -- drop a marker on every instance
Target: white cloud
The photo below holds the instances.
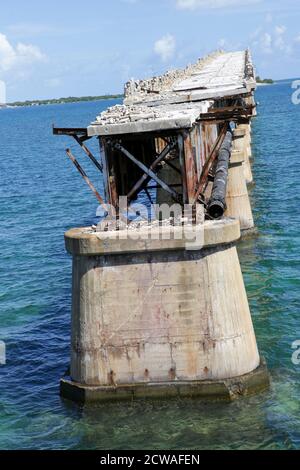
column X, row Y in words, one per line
column 7, row 53
column 266, row 43
column 279, row 43
column 2, row 92
column 280, row 40
column 279, row 30
column 165, row 47
column 28, row 53
column 20, row 55
column 271, row 41
column 193, row 4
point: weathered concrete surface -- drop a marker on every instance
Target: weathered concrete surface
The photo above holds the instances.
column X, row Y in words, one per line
column 86, row 242
column 248, row 138
column 159, row 313
column 134, row 119
column 218, row 75
column 229, row 389
column 241, row 144
column 178, row 98
column 237, row 200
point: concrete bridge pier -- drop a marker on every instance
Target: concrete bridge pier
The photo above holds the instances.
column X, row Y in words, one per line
column 241, row 143
column 159, row 307
column 152, row 317
column 237, row 200
column 248, row 137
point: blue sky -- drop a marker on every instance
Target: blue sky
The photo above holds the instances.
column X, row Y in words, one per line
column 63, row 48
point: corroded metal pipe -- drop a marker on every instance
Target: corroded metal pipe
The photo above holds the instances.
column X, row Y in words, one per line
column 217, row 204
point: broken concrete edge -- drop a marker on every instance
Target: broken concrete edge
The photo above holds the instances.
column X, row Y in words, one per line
column 250, row 184
column 188, row 97
column 249, row 233
column 166, row 81
column 227, row 389
column 86, row 242
column 162, row 124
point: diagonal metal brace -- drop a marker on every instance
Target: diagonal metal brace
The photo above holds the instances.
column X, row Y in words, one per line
column 88, row 152
column 149, row 172
column 86, row 179
column 143, row 180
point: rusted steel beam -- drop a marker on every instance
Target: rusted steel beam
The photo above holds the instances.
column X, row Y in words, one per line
column 156, row 186
column 230, row 109
column 190, row 166
column 209, row 162
column 221, row 121
column 89, row 153
column 70, row 131
column 224, row 117
column 86, row 179
column 235, row 111
column 143, row 180
column 109, row 179
column 103, row 153
column 182, row 168
column 146, row 170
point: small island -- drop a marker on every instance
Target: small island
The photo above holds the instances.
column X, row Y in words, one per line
column 265, row 81
column 70, row 99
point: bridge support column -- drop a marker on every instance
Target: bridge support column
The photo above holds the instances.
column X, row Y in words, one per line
column 248, row 138
column 237, row 199
column 160, row 317
column 241, row 143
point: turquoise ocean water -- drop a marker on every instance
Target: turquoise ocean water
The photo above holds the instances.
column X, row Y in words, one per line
column 41, row 196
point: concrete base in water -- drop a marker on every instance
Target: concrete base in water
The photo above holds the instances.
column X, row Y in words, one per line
column 227, row 389
column 159, row 314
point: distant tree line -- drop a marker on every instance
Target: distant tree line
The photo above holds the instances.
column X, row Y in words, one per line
column 268, row 81
column 70, row 99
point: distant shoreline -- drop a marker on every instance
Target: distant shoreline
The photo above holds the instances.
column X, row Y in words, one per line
column 264, row 81
column 70, row 99
column 264, row 84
